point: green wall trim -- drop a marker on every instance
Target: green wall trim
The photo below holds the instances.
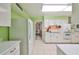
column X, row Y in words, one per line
column 55, row 17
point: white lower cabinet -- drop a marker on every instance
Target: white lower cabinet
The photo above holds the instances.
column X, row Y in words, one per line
column 60, row 38
column 10, row 48
column 67, row 37
column 56, row 37
column 75, row 37
column 51, row 37
column 47, row 37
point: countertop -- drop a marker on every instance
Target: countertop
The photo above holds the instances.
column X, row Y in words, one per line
column 69, row 49
column 4, row 45
column 53, row 32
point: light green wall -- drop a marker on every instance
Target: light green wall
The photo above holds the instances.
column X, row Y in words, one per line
column 3, row 33
column 34, row 18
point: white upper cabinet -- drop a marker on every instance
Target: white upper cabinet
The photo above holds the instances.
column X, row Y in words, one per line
column 5, row 14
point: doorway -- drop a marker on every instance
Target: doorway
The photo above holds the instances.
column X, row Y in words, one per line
column 38, row 29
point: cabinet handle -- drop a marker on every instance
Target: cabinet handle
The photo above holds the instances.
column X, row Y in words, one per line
column 13, row 50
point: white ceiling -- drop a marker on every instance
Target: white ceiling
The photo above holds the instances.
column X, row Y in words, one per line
column 35, row 9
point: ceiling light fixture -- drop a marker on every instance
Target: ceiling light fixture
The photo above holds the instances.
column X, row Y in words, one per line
column 58, row 3
column 56, row 7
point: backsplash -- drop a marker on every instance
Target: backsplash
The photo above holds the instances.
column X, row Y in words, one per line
column 57, row 25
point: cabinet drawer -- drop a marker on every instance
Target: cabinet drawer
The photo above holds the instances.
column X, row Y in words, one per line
column 12, row 50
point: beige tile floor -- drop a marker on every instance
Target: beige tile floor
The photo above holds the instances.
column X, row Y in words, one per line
column 40, row 48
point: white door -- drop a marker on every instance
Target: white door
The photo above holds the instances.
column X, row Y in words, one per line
column 30, row 36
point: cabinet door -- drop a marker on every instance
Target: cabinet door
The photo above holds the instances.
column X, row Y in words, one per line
column 75, row 37
column 54, row 37
column 67, row 38
column 5, row 14
column 60, row 38
column 47, row 37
